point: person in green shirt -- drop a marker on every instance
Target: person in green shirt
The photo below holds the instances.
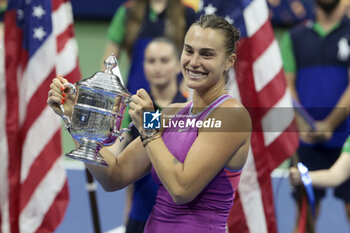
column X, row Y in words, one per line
column 136, row 23
column 317, row 70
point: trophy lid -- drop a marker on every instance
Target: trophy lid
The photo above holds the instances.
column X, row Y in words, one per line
column 107, row 80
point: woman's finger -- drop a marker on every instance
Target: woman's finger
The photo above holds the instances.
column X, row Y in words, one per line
column 132, row 106
column 53, row 92
column 57, row 82
column 142, row 93
column 54, row 100
column 61, row 79
column 137, row 100
column 55, row 88
column 135, row 107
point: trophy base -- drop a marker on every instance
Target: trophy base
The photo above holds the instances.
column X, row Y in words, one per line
column 88, row 154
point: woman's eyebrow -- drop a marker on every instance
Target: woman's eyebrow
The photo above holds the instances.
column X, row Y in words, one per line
column 202, row 49
column 207, row 50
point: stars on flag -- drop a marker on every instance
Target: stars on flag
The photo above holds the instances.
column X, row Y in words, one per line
column 38, row 11
column 39, row 33
column 20, row 14
column 210, row 9
column 37, row 14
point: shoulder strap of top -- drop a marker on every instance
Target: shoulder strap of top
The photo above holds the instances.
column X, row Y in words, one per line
column 184, row 109
column 213, row 105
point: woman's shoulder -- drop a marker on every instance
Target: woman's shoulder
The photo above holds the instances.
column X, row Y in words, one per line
column 234, row 116
column 232, row 103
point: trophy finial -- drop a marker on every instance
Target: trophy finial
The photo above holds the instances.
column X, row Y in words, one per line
column 110, row 63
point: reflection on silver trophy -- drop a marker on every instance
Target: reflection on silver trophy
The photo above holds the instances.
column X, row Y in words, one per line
column 98, row 112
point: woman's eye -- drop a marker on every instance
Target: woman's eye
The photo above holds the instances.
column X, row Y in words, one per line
column 164, row 60
column 206, row 54
column 189, row 51
column 150, row 61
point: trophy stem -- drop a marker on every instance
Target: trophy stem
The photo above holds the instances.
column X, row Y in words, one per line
column 88, row 152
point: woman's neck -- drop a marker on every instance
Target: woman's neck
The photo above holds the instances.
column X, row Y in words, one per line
column 202, row 99
column 164, row 95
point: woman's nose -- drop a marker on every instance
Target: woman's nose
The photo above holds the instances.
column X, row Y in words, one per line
column 194, row 60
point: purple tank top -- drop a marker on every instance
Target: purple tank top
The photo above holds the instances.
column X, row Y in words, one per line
column 209, row 211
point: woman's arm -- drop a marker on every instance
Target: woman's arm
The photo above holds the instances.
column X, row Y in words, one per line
column 210, row 152
column 127, row 167
column 123, row 167
column 207, row 156
column 332, row 177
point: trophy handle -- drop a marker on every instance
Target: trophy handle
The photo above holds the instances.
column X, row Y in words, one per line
column 127, row 101
column 66, row 119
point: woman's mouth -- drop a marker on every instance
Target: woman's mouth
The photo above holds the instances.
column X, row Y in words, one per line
column 196, row 74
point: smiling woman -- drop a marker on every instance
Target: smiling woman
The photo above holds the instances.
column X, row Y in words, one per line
column 203, row 57
column 187, row 196
column 184, row 190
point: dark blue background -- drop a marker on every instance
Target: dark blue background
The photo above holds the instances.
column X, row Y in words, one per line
column 95, row 9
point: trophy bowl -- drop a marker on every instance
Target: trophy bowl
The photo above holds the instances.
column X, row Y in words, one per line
column 98, row 112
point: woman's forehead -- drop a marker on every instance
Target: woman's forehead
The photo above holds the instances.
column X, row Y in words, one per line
column 160, row 47
column 204, row 37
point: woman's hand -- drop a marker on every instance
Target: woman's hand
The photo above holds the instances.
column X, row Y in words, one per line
column 58, row 94
column 140, row 102
column 324, row 131
column 294, row 176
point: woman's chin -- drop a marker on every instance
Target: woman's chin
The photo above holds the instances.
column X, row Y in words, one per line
column 193, row 85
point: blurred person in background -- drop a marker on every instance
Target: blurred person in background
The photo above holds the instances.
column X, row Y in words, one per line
column 316, row 57
column 136, row 23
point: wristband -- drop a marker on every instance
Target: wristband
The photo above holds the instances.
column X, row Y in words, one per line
column 307, row 182
column 147, row 134
column 151, row 138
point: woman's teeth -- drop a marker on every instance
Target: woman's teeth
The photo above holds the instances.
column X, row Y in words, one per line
column 196, row 75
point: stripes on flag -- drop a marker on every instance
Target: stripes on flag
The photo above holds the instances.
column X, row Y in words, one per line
column 4, row 215
column 39, row 43
column 259, row 83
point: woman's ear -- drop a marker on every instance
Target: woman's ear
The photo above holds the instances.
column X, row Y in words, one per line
column 230, row 61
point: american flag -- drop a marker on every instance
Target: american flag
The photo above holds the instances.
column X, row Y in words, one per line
column 258, row 81
column 39, row 43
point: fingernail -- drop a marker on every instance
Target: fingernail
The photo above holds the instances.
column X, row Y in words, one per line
column 63, row 100
column 64, row 94
column 59, row 76
column 62, row 88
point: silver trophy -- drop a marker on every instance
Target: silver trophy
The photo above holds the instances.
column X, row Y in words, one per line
column 98, row 113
